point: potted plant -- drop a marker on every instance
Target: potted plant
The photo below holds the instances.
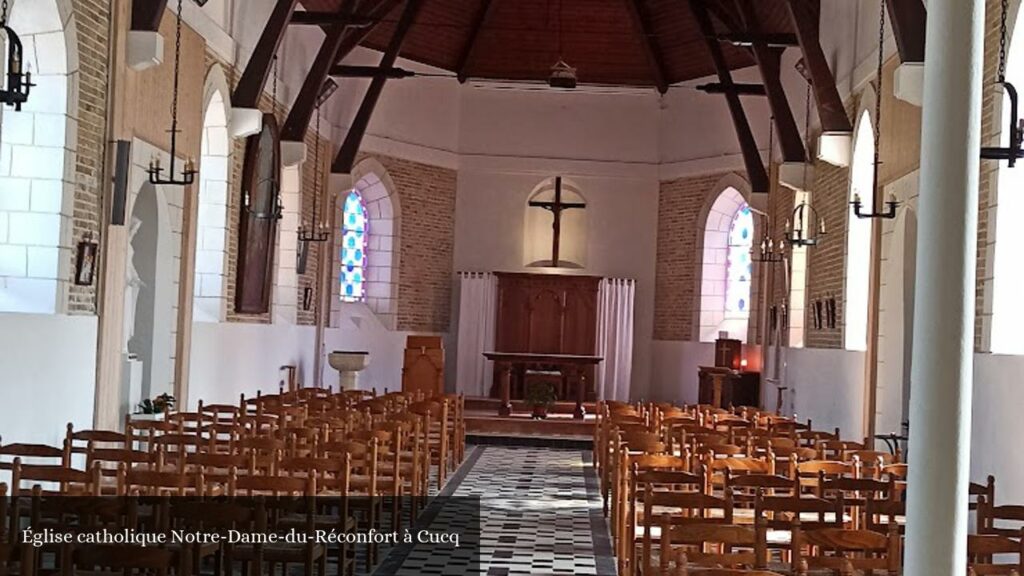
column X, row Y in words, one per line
column 155, row 408
column 540, row 395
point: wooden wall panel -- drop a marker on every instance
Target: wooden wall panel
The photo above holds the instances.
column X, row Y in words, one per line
column 546, row 313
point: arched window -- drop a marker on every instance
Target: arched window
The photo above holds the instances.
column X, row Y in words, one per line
column 737, row 283
column 36, row 239
column 1007, row 273
column 726, row 268
column 209, row 301
column 375, row 194
column 858, row 240
column 354, row 229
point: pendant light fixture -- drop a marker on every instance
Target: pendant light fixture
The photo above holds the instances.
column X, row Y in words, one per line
column 317, row 231
column 805, row 227
column 892, row 203
column 768, row 252
column 562, row 75
column 277, row 212
column 16, row 91
column 188, row 173
column 1014, row 151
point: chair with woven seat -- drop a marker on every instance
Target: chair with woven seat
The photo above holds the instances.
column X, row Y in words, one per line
column 710, row 545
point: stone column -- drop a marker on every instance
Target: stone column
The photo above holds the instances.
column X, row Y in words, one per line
column 940, row 419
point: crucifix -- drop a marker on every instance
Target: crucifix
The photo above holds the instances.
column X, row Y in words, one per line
column 556, row 209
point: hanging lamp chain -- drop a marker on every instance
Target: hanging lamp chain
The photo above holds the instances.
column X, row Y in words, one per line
column 316, row 165
column 1002, row 40
column 273, row 102
column 3, row 13
column 177, row 76
column 878, row 90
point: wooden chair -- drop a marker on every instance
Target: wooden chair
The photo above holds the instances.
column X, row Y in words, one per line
column 1005, row 520
column 812, row 472
column 12, row 552
column 684, row 571
column 57, row 479
column 132, row 481
column 219, row 516
column 710, row 545
column 129, row 558
column 779, row 517
column 984, row 549
column 78, row 443
column 436, row 425
column 847, row 552
column 675, row 508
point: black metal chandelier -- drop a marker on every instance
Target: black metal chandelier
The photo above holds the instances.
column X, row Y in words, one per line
column 318, row 230
column 768, row 251
column 188, row 172
column 805, row 228
column 890, row 206
column 19, row 84
column 1014, row 151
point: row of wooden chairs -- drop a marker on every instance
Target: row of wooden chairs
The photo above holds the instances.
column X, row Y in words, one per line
column 691, row 485
column 309, row 443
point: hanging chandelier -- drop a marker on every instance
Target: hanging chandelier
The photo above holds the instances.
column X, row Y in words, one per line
column 277, row 212
column 806, row 227
column 1014, row 151
column 768, row 251
column 318, row 230
column 188, row 173
column 15, row 92
column 890, row 206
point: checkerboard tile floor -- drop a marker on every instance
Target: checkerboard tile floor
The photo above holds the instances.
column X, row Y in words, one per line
column 540, row 514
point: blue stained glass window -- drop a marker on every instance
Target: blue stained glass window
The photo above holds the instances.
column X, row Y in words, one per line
column 354, row 230
column 740, row 266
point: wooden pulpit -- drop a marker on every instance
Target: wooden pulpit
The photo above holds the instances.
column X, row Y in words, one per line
column 423, row 369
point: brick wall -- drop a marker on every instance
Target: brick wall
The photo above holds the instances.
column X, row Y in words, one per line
column 426, row 195
column 92, row 19
column 680, row 204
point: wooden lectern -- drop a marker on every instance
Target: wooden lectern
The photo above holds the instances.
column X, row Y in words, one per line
column 423, row 369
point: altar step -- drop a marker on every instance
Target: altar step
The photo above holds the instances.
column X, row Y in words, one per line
column 474, row 403
column 558, row 430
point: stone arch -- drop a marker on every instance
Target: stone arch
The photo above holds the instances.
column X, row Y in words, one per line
column 37, row 159
column 710, row 312
column 857, row 258
column 380, row 196
column 209, row 293
column 152, row 315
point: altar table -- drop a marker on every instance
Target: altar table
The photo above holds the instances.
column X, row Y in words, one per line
column 571, row 366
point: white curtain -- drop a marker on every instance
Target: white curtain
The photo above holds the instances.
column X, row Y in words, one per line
column 615, row 338
column 478, row 294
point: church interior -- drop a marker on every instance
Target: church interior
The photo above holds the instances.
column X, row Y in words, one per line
column 637, row 287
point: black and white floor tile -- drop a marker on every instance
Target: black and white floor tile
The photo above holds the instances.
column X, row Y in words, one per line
column 540, row 513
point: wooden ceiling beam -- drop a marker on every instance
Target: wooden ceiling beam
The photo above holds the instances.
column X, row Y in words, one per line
column 805, row 15
column 756, row 172
column 738, row 88
column 769, row 64
column 466, row 54
column 346, row 157
column 146, row 14
column 250, row 86
column 909, row 20
column 643, row 25
column 300, row 18
column 358, row 35
column 297, row 123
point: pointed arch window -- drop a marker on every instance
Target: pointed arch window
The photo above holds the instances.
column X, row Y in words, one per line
column 740, row 267
column 354, row 231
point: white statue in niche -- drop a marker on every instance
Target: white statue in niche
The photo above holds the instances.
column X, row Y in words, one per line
column 133, row 284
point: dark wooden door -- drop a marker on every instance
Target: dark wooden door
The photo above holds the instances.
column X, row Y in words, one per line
column 257, row 227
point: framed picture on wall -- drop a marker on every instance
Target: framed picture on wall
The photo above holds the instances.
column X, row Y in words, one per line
column 85, row 262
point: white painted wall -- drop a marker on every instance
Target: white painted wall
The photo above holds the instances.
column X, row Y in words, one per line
column 49, row 366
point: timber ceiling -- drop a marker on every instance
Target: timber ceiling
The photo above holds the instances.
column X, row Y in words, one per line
column 612, row 42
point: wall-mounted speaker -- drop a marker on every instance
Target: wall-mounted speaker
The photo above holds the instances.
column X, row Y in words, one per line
column 122, row 163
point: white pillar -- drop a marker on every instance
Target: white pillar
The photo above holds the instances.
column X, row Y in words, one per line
column 940, row 418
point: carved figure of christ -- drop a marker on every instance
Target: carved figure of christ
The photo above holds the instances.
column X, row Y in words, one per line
column 556, row 209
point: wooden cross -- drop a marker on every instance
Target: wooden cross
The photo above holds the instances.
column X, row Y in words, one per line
column 556, row 209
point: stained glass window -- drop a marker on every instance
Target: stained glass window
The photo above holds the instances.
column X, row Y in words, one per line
column 740, row 267
column 354, row 231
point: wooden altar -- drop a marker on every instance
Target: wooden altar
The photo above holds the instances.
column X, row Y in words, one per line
column 573, row 368
column 549, row 314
